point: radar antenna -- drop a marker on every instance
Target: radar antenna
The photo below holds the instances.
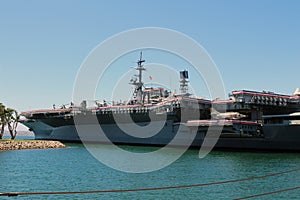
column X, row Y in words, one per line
column 184, row 76
column 138, row 92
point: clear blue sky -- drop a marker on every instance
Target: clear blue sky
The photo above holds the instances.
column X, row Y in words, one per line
column 255, row 44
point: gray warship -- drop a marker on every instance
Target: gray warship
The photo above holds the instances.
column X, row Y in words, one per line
column 250, row 120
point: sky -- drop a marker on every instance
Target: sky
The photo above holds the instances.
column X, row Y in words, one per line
column 255, row 44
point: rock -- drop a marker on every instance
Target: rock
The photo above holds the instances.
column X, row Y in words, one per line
column 29, row 144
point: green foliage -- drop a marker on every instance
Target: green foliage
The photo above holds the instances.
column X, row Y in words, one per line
column 10, row 118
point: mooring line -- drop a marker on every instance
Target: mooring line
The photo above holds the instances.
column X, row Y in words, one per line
column 147, row 189
column 269, row 193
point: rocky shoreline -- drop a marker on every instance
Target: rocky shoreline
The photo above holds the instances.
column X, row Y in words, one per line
column 29, row 144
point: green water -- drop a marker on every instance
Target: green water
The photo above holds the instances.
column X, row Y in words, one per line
column 74, row 169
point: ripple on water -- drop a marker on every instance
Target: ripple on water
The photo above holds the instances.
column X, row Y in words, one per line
column 74, row 169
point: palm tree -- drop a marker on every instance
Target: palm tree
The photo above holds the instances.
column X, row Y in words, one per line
column 16, row 118
column 2, row 119
column 12, row 119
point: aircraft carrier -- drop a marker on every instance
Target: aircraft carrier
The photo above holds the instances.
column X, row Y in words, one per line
column 250, row 120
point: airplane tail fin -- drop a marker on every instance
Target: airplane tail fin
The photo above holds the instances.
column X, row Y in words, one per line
column 297, row 92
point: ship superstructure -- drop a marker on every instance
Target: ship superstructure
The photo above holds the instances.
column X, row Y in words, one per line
column 148, row 104
column 254, row 120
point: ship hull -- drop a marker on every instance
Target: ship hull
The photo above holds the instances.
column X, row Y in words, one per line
column 113, row 134
column 245, row 144
column 276, row 137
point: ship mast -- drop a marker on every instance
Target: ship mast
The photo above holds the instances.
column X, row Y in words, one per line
column 138, row 93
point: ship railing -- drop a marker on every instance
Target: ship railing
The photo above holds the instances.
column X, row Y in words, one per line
column 46, row 112
column 254, row 93
column 220, row 122
column 132, row 109
column 267, row 100
column 242, row 128
column 295, row 99
column 114, row 108
column 222, row 101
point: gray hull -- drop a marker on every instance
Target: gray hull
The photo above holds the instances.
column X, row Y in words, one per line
column 113, row 134
column 276, row 137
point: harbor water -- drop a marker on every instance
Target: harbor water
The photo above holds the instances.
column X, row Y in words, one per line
column 74, row 169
